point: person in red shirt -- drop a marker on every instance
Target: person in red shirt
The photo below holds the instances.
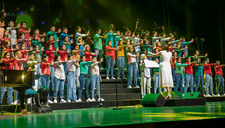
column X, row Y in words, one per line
column 5, row 38
column 6, row 59
column 50, row 41
column 208, row 76
column 50, row 53
column 18, row 62
column 26, row 32
column 88, row 55
column 63, row 55
column 110, row 57
column 45, row 70
column 189, row 80
column 219, row 77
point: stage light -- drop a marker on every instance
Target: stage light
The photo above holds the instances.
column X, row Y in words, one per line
column 54, row 23
column 43, row 23
column 31, row 9
column 57, row 20
column 25, row 18
column 21, row 12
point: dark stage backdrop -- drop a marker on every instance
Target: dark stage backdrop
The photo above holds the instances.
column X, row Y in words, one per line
column 189, row 18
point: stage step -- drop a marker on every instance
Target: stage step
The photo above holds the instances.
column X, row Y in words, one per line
column 107, row 97
column 80, row 105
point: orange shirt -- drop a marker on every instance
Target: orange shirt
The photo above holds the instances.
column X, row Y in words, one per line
column 120, row 51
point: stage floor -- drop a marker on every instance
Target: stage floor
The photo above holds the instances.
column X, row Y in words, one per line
column 108, row 117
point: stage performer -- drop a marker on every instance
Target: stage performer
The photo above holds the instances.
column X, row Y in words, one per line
column 120, row 59
column 110, row 58
column 165, row 73
column 199, row 75
column 219, row 77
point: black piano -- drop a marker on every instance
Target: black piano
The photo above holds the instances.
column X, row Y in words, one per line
column 20, row 80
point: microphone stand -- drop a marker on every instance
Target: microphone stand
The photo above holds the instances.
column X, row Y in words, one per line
column 117, row 107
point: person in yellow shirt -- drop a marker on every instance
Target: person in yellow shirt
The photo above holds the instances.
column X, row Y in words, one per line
column 120, row 59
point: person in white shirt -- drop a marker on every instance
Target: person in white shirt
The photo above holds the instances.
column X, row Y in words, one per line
column 78, row 33
column 95, row 78
column 12, row 33
column 59, row 78
column 146, row 76
column 71, row 86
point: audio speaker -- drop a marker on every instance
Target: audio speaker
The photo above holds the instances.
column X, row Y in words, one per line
column 153, row 100
column 193, row 95
column 177, row 94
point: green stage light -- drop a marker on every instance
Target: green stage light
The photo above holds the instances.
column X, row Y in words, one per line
column 25, row 18
column 57, row 20
column 31, row 9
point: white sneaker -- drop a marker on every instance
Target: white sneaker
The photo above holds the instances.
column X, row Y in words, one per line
column 69, row 101
column 13, row 103
column 50, row 102
column 113, row 78
column 129, row 87
column 218, row 95
column 88, row 100
column 118, row 78
column 207, row 95
column 137, row 87
column 93, row 100
column 62, row 101
column 107, row 78
column 100, row 99
column 55, row 101
column 223, row 95
column 213, row 95
column 79, row 100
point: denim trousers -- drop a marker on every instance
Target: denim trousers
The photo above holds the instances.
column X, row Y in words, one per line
column 99, row 56
column 9, row 95
column 132, row 72
column 198, row 80
column 220, row 81
column 120, row 64
column 156, row 83
column 71, row 87
column 52, row 76
column 179, row 82
column 209, row 84
column 45, row 81
column 110, row 65
column 188, row 81
column 84, row 82
column 59, row 85
column 95, row 80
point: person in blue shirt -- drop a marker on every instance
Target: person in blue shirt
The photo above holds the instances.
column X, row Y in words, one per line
column 63, row 35
column 110, row 36
column 199, row 75
column 184, row 44
column 117, row 38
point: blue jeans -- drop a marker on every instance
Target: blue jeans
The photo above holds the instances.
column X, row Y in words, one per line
column 84, row 82
column 209, row 84
column 156, row 83
column 99, row 56
column 2, row 93
column 39, row 72
column 65, row 70
column 220, row 80
column 198, row 80
column 95, row 81
column 120, row 64
column 71, row 87
column 45, row 81
column 173, row 74
column 110, row 65
column 179, row 82
column 59, row 85
column 52, row 76
column 188, row 81
column 132, row 71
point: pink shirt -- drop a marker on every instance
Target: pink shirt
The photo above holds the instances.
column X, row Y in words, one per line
column 18, row 64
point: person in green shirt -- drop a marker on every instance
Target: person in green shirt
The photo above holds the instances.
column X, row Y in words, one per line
column 156, row 77
column 98, row 45
column 84, row 81
column 179, row 74
column 53, row 33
